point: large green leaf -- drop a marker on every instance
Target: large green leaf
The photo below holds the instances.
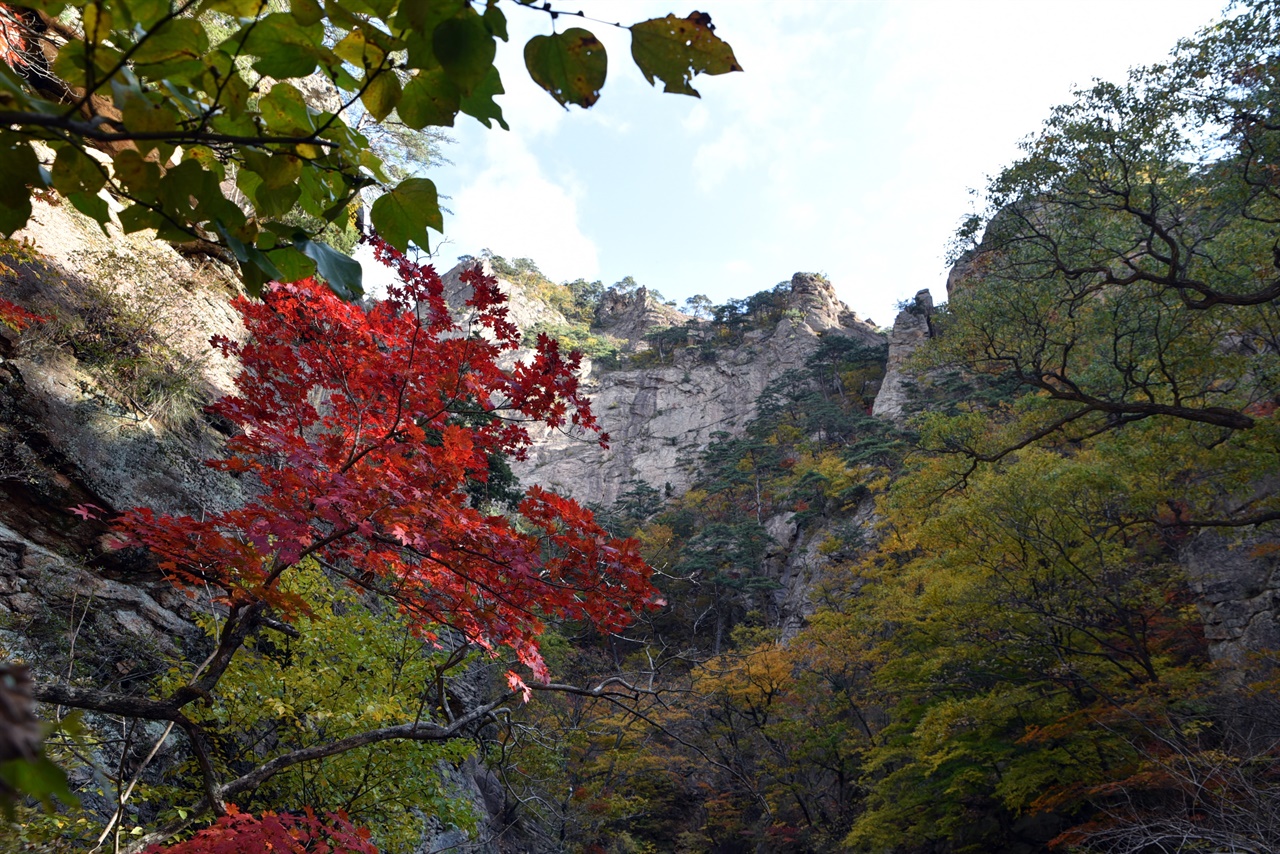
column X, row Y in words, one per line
column 676, row 49
column 480, row 104
column 93, row 206
column 15, row 214
column 178, row 38
column 571, row 65
column 423, row 16
column 465, row 49
column 292, row 264
column 38, row 778
column 255, row 266
column 275, row 202
column 403, row 215
column 145, row 13
column 277, row 170
column 139, row 175
column 307, row 12
column 429, row 98
column 495, row 20
column 286, row 112
column 382, row 94
column 359, row 50
column 341, row 272
column 283, row 45
column 76, row 172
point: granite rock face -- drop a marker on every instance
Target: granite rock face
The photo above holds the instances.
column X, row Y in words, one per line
column 1236, row 582
column 659, row 419
column 522, row 310
column 629, row 317
column 911, row 329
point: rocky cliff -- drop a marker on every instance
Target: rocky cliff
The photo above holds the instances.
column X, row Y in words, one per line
column 660, row 418
column 911, row 329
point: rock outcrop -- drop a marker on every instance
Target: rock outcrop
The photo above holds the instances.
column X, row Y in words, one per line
column 659, row 419
column 522, row 309
column 1236, row 581
column 911, row 329
column 629, row 317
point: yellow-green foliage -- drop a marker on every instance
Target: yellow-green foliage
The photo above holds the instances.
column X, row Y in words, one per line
column 350, row 670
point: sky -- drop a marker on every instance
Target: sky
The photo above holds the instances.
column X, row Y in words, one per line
column 851, row 144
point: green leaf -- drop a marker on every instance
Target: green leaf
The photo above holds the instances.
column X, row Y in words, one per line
column 38, row 778
column 423, row 16
column 359, row 51
column 381, row 95
column 235, row 8
column 138, row 218
column 226, row 85
column 276, row 202
column 465, row 49
column 321, row 190
column 76, row 172
column 14, row 214
column 97, row 23
column 68, row 66
column 495, row 20
column 141, row 176
column 21, row 170
column 284, row 47
column 677, row 49
column 341, row 272
column 571, row 65
column 480, row 104
column 290, row 263
column 144, row 13
column 178, row 38
column 306, row 11
column 280, row 170
column 286, row 112
column 255, row 266
column 403, row 215
column 429, row 98
column 93, row 206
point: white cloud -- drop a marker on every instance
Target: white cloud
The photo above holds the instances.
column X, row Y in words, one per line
column 516, row 210
column 377, row 277
column 714, row 161
column 698, row 119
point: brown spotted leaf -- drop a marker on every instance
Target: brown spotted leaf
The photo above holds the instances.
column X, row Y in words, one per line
column 571, row 66
column 675, row 50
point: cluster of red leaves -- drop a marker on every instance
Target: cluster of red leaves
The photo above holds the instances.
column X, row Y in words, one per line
column 240, row 833
column 16, row 317
column 13, row 41
column 362, row 427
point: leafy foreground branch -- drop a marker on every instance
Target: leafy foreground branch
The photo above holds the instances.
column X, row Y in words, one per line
column 364, row 429
column 207, row 124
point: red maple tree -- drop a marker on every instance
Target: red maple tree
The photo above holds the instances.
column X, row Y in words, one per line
column 358, row 431
column 363, row 426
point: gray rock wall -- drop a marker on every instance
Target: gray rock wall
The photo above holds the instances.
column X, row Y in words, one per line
column 660, row 419
column 911, row 329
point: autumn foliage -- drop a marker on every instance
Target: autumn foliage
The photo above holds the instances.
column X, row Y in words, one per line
column 238, row 832
column 16, row 317
column 363, row 428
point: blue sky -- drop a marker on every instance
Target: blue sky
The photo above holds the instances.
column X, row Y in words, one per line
column 849, row 145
